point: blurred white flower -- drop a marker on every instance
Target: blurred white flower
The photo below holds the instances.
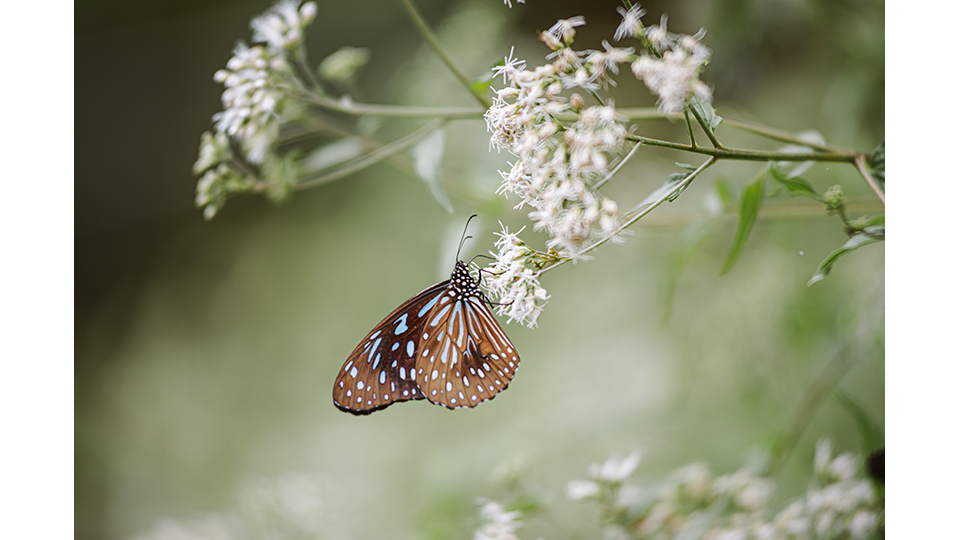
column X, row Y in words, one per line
column 674, row 76
column 631, row 25
column 499, row 524
column 281, row 27
column 615, row 469
column 822, row 457
column 582, row 489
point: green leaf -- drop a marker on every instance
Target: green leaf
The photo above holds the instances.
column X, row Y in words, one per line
column 705, row 111
column 481, row 84
column 427, row 155
column 750, row 201
column 870, row 235
column 724, row 191
column 795, row 185
column 878, row 162
column 673, row 180
column 871, row 433
column 329, row 155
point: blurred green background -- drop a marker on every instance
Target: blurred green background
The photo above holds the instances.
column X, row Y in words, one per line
column 205, row 352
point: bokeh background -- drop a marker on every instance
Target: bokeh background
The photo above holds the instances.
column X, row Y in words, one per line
column 205, row 352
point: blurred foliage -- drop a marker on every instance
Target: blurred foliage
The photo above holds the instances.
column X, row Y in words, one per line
column 205, row 351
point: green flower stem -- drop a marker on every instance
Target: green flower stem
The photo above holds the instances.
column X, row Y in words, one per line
column 686, row 120
column 394, row 111
column 369, row 159
column 706, row 129
column 649, row 208
column 300, row 56
column 811, row 400
column 861, row 164
column 748, row 155
column 435, row 44
column 616, row 169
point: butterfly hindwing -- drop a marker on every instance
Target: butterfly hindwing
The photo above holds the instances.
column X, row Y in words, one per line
column 380, row 370
column 465, row 358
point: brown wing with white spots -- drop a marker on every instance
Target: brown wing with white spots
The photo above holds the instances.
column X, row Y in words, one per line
column 380, row 370
column 465, row 358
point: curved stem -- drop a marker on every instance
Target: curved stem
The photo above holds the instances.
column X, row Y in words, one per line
column 620, row 164
column 435, row 44
column 861, row 164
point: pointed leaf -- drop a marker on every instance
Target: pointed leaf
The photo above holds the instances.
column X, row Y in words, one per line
column 750, row 201
column 427, row 155
column 335, row 153
column 794, row 184
column 705, row 111
column 870, row 235
column 878, row 162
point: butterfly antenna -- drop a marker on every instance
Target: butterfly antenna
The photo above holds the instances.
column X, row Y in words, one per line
column 464, row 237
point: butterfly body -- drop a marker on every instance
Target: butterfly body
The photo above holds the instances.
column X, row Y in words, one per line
column 443, row 345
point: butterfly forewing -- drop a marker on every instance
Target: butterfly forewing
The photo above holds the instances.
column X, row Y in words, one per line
column 381, row 369
column 465, row 358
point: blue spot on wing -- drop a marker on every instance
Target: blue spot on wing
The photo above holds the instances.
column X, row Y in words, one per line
column 429, row 305
column 402, row 327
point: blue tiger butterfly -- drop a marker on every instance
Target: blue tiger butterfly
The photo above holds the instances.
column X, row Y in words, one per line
column 442, row 345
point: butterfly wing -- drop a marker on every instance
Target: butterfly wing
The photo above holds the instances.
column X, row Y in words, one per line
column 465, row 357
column 380, row 370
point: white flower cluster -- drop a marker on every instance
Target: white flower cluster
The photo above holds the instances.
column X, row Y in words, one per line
column 516, row 284
column 499, row 524
column 259, row 94
column 670, row 65
column 292, row 506
column 559, row 163
column 733, row 506
column 219, row 178
column 258, row 79
column 255, row 90
column 281, row 27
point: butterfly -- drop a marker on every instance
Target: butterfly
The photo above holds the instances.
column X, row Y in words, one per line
column 442, row 345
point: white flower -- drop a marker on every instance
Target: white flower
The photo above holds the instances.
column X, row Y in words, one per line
column 615, row 469
column 862, row 524
column 252, row 99
column 564, row 29
column 631, row 25
column 582, row 489
column 675, row 77
column 281, row 27
column 517, row 286
column 500, row 524
column 844, row 467
column 509, row 5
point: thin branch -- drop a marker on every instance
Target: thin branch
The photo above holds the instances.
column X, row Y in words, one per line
column 435, row 44
column 347, row 106
column 620, row 165
column 749, row 155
